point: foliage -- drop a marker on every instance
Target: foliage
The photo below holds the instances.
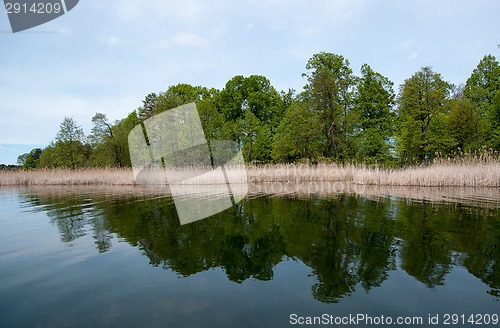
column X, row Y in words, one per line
column 422, row 98
column 296, row 137
column 483, row 90
column 330, row 93
column 148, row 108
column 339, row 117
column 30, row 160
column 252, row 110
column 69, row 150
column 373, row 103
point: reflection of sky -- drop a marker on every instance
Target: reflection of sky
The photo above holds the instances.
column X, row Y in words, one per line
column 105, row 56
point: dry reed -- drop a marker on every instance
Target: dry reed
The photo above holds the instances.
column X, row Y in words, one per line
column 86, row 176
column 451, row 173
column 436, row 175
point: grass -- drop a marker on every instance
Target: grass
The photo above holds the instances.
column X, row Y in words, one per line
column 469, row 172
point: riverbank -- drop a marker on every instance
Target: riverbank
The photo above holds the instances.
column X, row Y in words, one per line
column 442, row 174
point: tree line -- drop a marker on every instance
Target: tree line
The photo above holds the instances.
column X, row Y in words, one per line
column 338, row 117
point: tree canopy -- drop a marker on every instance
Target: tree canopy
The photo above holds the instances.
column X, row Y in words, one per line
column 338, row 117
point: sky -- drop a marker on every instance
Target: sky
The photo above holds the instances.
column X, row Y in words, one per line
column 106, row 56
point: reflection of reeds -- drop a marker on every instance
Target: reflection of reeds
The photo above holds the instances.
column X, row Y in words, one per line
column 443, row 173
column 479, row 196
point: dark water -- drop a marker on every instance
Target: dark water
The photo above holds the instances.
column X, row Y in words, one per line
column 94, row 257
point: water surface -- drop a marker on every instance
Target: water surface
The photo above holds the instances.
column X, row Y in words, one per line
column 119, row 257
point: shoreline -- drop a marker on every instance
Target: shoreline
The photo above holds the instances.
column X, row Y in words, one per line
column 484, row 197
column 436, row 175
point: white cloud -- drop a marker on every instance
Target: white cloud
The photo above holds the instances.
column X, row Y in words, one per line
column 113, row 41
column 189, row 40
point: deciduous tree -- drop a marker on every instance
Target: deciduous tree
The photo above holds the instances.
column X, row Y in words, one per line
column 374, row 99
column 329, row 92
column 483, row 90
column 422, row 97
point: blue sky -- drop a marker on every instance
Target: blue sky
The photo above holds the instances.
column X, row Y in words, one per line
column 105, row 56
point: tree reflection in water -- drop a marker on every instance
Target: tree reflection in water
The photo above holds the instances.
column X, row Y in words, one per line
column 348, row 241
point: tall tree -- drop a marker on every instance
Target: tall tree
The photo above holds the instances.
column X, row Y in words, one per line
column 148, row 106
column 297, row 137
column 483, row 90
column 252, row 110
column 69, row 149
column 254, row 93
column 30, row 160
column 180, row 94
column 374, row 99
column 107, row 150
column 119, row 142
column 101, row 131
column 466, row 125
column 329, row 91
column 422, row 97
column 70, row 131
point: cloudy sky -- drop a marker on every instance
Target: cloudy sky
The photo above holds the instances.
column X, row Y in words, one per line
column 105, row 56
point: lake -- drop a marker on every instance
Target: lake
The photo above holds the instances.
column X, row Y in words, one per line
column 118, row 256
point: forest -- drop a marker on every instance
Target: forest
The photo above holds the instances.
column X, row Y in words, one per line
column 338, row 117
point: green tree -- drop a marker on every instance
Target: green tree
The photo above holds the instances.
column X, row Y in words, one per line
column 254, row 93
column 70, row 131
column 422, row 97
column 210, row 118
column 148, row 106
column 21, row 159
column 69, row 149
column 297, row 137
column 48, row 158
column 181, row 94
column 466, row 126
column 101, row 131
column 30, row 160
column 119, row 141
column 256, row 138
column 329, row 92
column 483, row 90
column 105, row 150
column 251, row 109
column 374, row 99
column 440, row 140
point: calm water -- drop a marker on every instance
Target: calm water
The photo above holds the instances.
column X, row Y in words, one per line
column 93, row 257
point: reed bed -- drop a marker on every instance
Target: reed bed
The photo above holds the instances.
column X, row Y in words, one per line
column 436, row 175
column 440, row 174
column 451, row 173
column 86, row 176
